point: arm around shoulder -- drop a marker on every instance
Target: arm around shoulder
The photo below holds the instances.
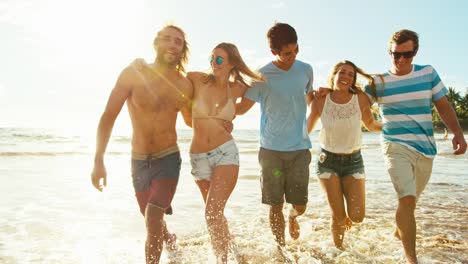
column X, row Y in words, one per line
column 139, row 64
column 367, row 117
column 240, row 89
column 244, row 105
column 186, row 110
column 250, row 92
column 316, row 108
column 196, row 76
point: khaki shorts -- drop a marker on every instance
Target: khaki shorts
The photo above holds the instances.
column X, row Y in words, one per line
column 409, row 170
column 285, row 174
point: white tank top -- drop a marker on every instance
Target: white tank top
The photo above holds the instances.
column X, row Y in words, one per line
column 341, row 126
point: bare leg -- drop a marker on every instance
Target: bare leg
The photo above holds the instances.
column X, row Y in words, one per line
column 354, row 191
column 294, row 228
column 406, row 226
column 277, row 223
column 169, row 238
column 339, row 224
column 154, row 228
column 223, row 181
column 204, row 187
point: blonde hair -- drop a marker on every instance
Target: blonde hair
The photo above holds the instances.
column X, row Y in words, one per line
column 240, row 69
column 180, row 67
column 355, row 87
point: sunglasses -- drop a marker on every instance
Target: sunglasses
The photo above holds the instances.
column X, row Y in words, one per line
column 406, row 54
column 218, row 60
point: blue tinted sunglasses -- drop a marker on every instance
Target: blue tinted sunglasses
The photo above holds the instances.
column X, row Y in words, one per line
column 218, row 60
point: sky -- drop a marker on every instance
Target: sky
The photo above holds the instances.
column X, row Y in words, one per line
column 59, row 59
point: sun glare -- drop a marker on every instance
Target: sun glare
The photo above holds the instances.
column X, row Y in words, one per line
column 82, row 47
column 89, row 27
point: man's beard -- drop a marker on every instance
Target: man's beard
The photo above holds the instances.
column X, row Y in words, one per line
column 170, row 60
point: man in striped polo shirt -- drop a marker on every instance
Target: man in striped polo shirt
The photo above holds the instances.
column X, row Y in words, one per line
column 405, row 99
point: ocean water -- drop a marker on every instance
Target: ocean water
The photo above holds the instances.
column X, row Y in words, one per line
column 50, row 213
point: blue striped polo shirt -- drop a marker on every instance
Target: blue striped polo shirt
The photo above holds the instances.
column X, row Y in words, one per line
column 405, row 106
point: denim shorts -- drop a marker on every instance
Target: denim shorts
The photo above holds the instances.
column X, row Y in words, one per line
column 329, row 163
column 204, row 163
column 285, row 175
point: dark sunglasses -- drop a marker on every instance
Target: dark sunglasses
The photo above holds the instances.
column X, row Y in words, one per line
column 406, row 54
column 218, row 60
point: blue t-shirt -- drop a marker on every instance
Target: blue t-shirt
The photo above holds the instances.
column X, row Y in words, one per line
column 283, row 106
column 406, row 107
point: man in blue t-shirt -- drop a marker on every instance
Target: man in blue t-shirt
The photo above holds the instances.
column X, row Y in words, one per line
column 284, row 154
column 405, row 98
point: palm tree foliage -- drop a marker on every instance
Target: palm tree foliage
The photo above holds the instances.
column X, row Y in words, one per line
column 460, row 105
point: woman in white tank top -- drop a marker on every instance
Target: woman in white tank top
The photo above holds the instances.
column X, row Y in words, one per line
column 340, row 167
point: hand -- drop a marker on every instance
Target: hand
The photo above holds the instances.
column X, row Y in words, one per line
column 323, row 91
column 139, row 64
column 459, row 144
column 99, row 172
column 229, row 126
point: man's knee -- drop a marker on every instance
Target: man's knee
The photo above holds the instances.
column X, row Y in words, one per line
column 275, row 209
column 154, row 218
column 161, row 201
column 299, row 209
column 407, row 202
column 142, row 199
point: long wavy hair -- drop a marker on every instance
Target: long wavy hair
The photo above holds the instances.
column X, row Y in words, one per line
column 180, row 67
column 355, row 87
column 240, row 70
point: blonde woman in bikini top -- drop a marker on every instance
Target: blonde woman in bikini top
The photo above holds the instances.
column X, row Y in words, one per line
column 213, row 104
column 213, row 153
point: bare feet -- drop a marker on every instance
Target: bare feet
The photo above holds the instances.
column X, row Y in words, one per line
column 171, row 244
column 294, row 228
column 283, row 255
column 348, row 223
column 338, row 230
column 234, row 249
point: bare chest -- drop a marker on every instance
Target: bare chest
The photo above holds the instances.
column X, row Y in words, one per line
column 157, row 96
